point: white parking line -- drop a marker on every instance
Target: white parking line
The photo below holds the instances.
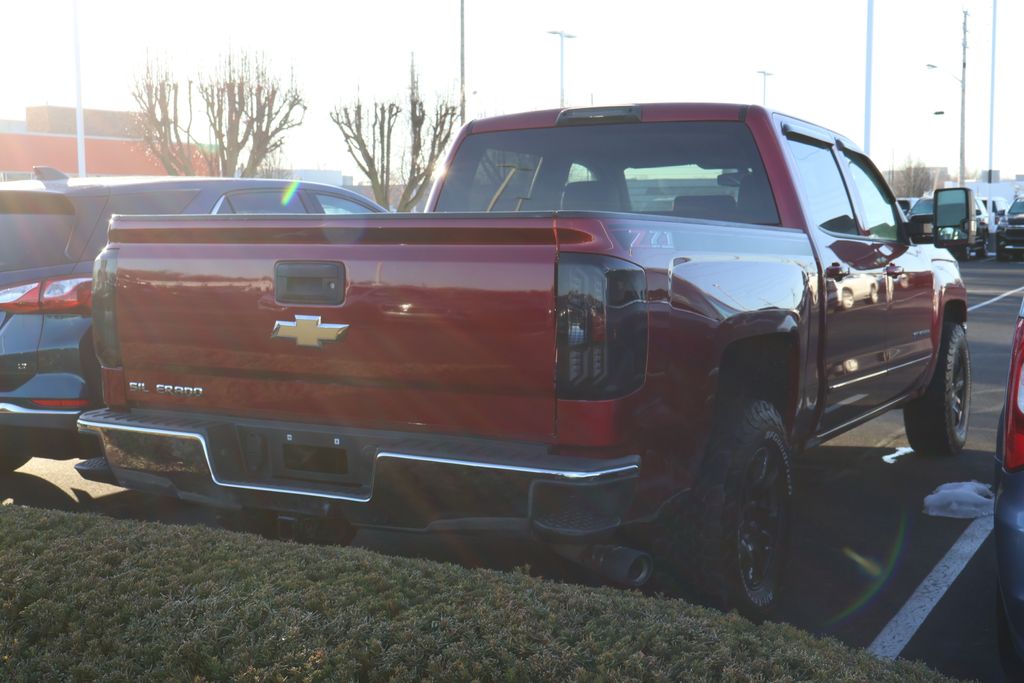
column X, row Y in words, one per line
column 995, row 299
column 889, row 643
column 898, row 632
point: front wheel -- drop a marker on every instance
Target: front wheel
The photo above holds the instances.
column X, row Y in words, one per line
column 936, row 422
column 729, row 541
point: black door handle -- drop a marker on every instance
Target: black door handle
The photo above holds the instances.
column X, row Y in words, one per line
column 309, row 282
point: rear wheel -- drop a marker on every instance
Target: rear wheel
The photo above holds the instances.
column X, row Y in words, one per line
column 936, row 422
column 1001, row 254
column 730, row 539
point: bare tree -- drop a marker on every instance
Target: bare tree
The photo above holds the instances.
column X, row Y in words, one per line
column 165, row 120
column 273, row 166
column 248, row 110
column 914, row 179
column 371, row 142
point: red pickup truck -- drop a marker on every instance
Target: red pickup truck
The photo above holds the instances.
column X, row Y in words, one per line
column 612, row 332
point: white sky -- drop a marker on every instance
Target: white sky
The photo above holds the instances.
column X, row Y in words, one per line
column 638, row 51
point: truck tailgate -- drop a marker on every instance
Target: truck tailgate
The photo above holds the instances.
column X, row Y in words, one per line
column 450, row 321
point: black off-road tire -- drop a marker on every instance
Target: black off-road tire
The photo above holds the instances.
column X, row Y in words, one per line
column 1001, row 255
column 936, row 422
column 743, row 493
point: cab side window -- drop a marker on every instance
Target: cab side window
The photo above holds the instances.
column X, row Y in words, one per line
column 877, row 211
column 827, row 200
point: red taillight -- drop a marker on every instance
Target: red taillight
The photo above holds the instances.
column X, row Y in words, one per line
column 60, row 295
column 60, row 403
column 1013, row 441
column 20, row 299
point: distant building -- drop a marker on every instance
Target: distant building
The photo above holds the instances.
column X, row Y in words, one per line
column 1007, row 189
column 113, row 144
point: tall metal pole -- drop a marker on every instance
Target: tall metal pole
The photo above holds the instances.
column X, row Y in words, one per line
column 991, row 109
column 867, row 76
column 562, row 35
column 963, row 106
column 764, row 87
column 462, row 61
column 79, row 116
column 561, row 70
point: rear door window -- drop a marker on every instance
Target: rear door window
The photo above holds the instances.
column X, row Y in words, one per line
column 334, row 205
column 877, row 211
column 263, row 201
column 825, row 196
column 34, row 230
column 692, row 169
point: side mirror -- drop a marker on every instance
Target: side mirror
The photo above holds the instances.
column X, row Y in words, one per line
column 955, row 223
column 919, row 228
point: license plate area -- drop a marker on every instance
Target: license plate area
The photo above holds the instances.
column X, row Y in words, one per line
column 314, row 458
column 314, row 463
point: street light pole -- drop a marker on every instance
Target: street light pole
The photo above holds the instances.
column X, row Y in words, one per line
column 991, row 108
column 562, row 35
column 462, row 62
column 867, row 76
column 764, row 87
column 963, row 104
column 79, row 114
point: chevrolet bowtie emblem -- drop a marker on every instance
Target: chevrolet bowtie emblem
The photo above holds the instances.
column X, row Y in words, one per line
column 307, row 330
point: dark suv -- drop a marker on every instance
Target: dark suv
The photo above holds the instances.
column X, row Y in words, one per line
column 1010, row 238
column 50, row 232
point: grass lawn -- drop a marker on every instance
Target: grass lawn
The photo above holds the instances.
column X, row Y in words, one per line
column 84, row 597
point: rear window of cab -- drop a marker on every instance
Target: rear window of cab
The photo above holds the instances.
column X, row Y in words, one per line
column 704, row 169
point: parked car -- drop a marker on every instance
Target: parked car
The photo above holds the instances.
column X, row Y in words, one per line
column 611, row 334
column 906, row 204
column 978, row 242
column 1009, row 514
column 1010, row 236
column 51, row 231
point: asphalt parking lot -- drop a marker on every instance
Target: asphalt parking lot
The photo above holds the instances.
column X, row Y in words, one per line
column 861, row 544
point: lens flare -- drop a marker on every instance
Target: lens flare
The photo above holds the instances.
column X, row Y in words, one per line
column 289, row 192
column 879, row 574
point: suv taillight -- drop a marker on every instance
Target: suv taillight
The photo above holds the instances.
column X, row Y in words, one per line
column 601, row 311
column 1013, row 437
column 104, row 310
column 57, row 295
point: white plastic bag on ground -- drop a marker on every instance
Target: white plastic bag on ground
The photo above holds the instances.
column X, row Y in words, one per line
column 963, row 500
